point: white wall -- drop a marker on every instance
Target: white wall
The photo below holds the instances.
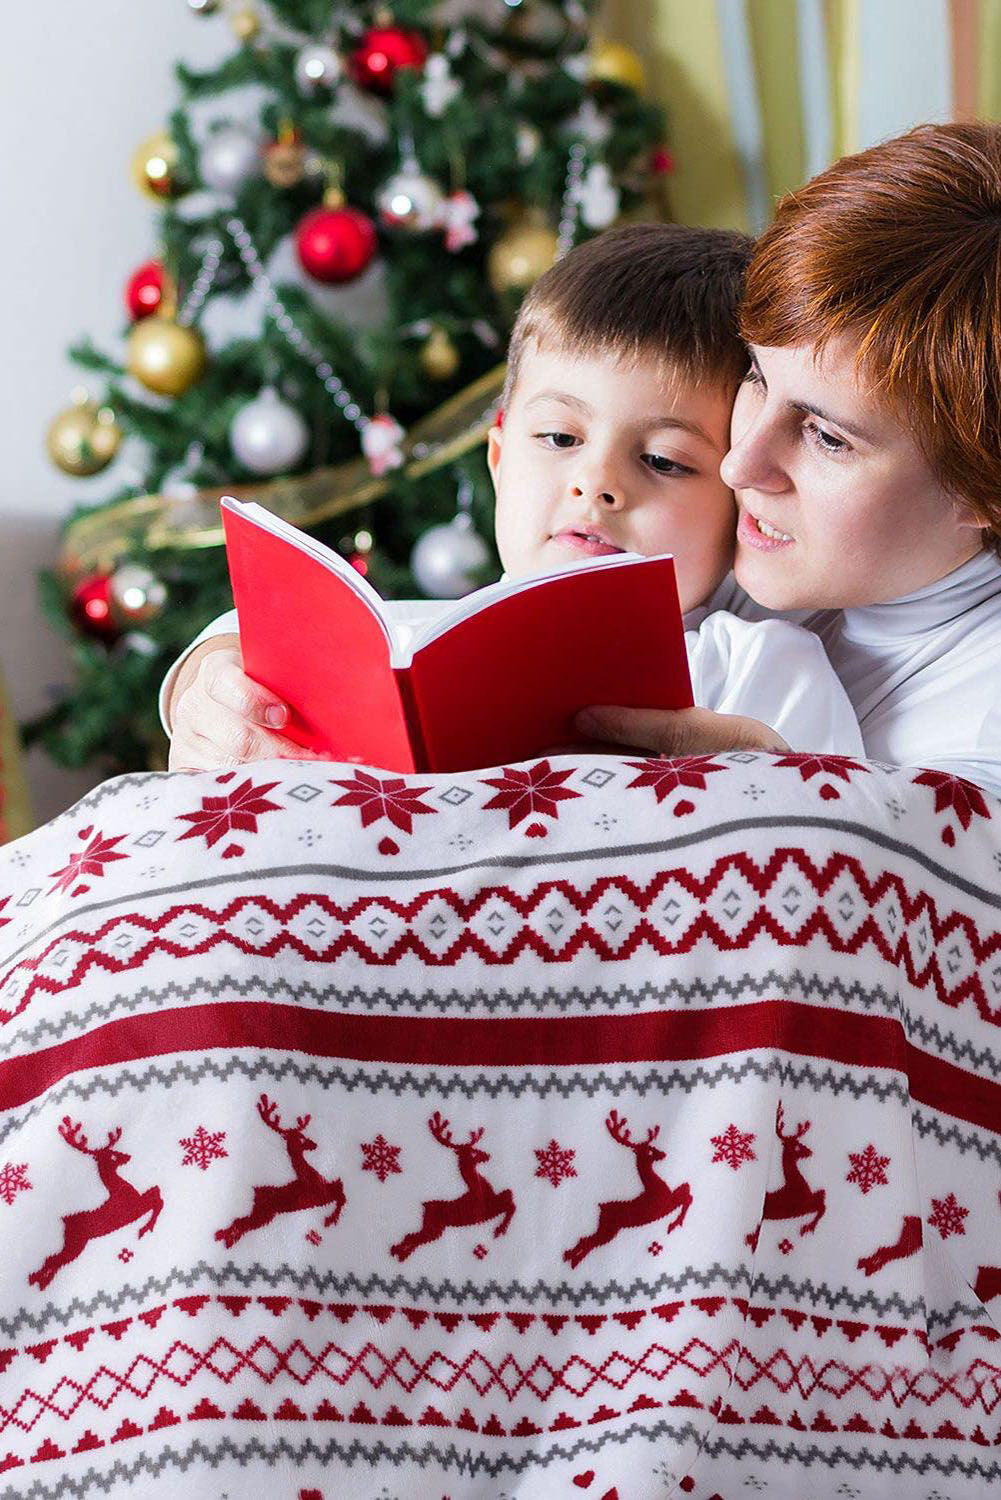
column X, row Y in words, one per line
column 80, row 86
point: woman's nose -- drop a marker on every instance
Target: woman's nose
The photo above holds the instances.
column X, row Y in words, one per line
column 752, row 463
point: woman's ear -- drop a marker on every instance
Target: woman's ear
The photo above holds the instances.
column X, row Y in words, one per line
column 495, row 438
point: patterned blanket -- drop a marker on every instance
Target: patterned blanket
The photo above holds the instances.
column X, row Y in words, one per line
column 591, row 1129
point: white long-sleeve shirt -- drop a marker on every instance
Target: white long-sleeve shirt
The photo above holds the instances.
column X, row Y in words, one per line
column 770, row 670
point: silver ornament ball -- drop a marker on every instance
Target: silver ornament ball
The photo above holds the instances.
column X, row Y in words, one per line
column 409, row 200
column 203, row 7
column 229, row 158
column 268, row 436
column 448, row 561
column 136, row 593
column 317, row 67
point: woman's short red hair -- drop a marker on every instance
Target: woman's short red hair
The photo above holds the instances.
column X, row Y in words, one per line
column 898, row 249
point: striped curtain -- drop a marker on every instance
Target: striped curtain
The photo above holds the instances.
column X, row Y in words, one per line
column 15, row 816
column 761, row 94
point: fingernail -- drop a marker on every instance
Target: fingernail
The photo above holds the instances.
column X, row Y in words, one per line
column 275, row 715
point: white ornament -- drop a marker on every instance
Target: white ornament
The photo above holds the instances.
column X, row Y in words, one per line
column 598, row 197
column 409, row 200
column 229, row 158
column 438, row 87
column 317, row 67
column 456, row 44
column 267, row 435
column 578, row 66
column 590, row 125
column 528, row 140
column 380, row 443
column 458, row 215
column 448, row 561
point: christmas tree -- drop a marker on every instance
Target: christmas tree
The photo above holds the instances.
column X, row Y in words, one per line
column 339, row 253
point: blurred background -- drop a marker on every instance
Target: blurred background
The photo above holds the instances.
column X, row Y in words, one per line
column 699, row 110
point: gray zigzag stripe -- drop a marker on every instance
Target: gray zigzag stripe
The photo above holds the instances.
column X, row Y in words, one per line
column 557, row 860
column 112, row 788
column 287, row 1280
column 504, row 1083
column 806, row 987
column 451, row 1458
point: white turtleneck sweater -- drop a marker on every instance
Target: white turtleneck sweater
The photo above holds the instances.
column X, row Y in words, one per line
column 923, row 673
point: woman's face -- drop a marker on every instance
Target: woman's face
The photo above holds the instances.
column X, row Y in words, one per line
column 837, row 505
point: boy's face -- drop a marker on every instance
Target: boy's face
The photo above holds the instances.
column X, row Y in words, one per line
column 599, row 455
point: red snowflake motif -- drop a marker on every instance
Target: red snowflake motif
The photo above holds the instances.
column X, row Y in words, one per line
column 202, row 1147
column 125, row 1255
column 377, row 799
column 947, row 1216
column 868, row 1169
column 314, row 1237
column 381, row 1158
column 90, row 861
column 221, row 815
column 534, row 790
column 555, row 1164
column 480, row 1251
column 733, row 1147
column 666, row 776
column 13, row 1180
column 823, row 765
column 786, row 1246
column 954, row 794
column 655, row 1247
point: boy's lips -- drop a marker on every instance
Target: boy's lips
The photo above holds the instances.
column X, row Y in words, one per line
column 590, row 540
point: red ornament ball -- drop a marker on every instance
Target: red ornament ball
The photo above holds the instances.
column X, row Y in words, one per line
column 381, row 52
column 145, row 288
column 90, row 608
column 335, row 244
column 661, row 161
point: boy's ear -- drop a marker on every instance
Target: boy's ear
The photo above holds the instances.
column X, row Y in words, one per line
column 495, row 438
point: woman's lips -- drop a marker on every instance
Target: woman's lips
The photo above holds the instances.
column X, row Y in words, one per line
column 749, row 533
column 590, row 543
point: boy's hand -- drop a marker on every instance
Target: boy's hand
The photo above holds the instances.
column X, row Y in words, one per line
column 220, row 717
column 680, row 731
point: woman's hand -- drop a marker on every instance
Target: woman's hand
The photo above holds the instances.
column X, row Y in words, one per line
column 680, row 731
column 219, row 717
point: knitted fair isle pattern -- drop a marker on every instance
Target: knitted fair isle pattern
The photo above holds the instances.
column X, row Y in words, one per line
column 590, row 1129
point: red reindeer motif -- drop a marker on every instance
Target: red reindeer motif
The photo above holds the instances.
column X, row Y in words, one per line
column 306, row 1190
column 478, row 1204
column 907, row 1243
column 795, row 1197
column 123, row 1205
column 656, row 1201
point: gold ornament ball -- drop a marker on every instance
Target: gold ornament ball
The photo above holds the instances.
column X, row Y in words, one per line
column 439, row 357
column 83, row 439
column 246, row 23
column 285, row 164
column 164, row 356
column 522, row 253
column 156, row 168
column 612, row 62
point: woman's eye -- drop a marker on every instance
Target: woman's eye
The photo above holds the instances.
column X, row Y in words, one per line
column 661, row 465
column 826, row 441
column 559, row 440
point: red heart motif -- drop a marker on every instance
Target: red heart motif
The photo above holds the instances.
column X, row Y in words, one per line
column 85, row 833
column 949, row 835
column 583, row 1480
column 388, row 846
column 80, row 889
column 681, row 808
column 829, row 792
column 611, row 1494
column 232, row 850
column 536, row 830
column 227, row 776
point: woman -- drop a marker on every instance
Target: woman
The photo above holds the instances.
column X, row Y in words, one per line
column 866, row 455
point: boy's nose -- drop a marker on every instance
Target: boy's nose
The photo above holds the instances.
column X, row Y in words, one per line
column 610, row 498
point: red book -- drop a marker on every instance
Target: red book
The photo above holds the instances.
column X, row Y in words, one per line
column 494, row 677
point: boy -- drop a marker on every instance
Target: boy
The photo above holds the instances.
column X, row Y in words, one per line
column 622, row 369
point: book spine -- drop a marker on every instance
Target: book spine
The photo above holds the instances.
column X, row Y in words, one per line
column 411, row 714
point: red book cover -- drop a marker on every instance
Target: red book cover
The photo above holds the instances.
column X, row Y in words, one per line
column 496, row 677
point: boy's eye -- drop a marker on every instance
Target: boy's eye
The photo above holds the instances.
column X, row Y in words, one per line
column 560, row 440
column 661, row 465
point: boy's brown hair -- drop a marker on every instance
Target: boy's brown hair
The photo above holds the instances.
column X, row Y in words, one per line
column 898, row 249
column 641, row 289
